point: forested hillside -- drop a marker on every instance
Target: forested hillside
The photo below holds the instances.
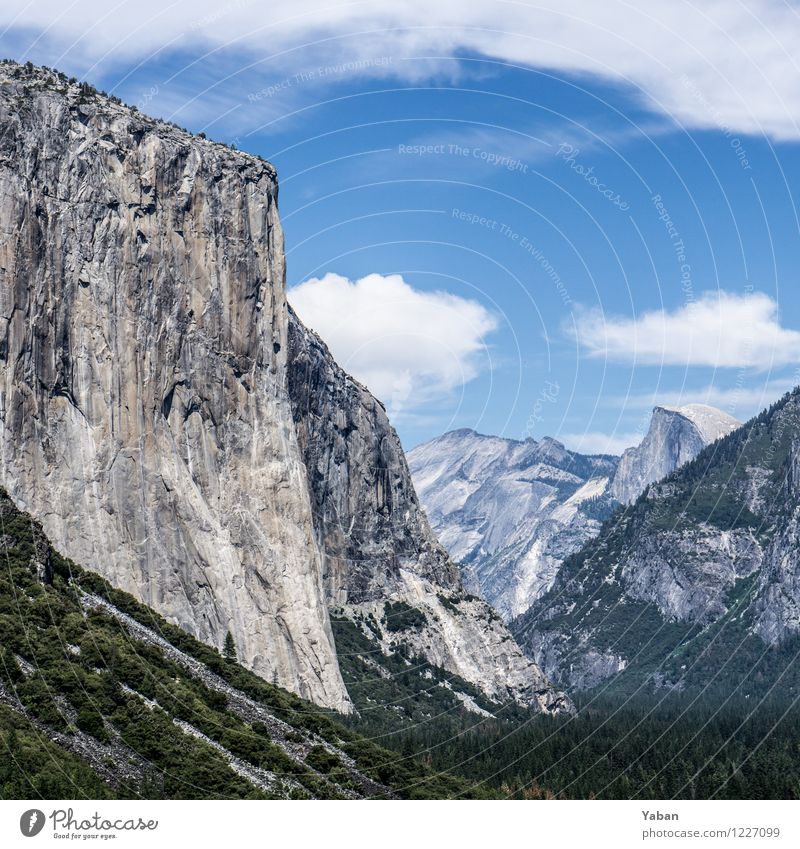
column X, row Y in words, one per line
column 694, row 587
column 101, row 697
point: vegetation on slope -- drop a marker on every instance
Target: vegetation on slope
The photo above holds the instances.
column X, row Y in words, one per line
column 620, row 745
column 93, row 708
column 588, row 604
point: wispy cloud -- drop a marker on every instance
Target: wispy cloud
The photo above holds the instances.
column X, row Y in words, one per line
column 711, row 65
column 719, row 330
column 410, row 347
column 741, row 401
column 595, row 442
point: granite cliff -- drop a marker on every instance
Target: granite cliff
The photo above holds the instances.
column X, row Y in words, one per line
column 144, row 417
column 175, row 429
column 675, row 436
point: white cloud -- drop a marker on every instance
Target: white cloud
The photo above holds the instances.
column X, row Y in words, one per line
column 741, row 401
column 720, row 330
column 409, row 347
column 716, row 64
column 594, row 442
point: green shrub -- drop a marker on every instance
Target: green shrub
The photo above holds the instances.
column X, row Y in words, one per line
column 399, row 616
column 320, row 759
column 91, row 721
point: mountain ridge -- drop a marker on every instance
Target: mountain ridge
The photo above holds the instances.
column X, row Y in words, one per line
column 509, row 511
column 697, row 575
column 177, row 429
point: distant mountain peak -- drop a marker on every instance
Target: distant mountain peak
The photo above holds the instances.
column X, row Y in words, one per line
column 510, row 511
column 676, row 436
column 711, row 422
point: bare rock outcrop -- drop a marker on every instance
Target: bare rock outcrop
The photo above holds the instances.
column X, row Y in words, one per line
column 173, row 427
column 144, row 417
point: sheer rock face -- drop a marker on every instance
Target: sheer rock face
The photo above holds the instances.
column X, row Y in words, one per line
column 369, row 524
column 777, row 611
column 152, row 419
column 376, row 541
column 689, row 573
column 676, row 436
column 144, row 417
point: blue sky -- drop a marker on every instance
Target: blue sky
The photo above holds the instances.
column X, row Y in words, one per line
column 526, row 237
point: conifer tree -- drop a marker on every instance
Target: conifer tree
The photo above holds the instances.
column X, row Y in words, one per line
column 230, row 647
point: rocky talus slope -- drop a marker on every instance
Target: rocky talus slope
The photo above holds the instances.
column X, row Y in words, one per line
column 153, row 418
column 697, row 581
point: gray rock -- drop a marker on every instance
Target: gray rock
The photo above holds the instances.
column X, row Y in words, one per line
column 509, row 512
column 144, row 413
column 689, row 572
column 375, row 539
column 583, row 668
column 696, row 569
column 367, row 519
column 777, row 609
column 676, row 435
column 152, row 416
